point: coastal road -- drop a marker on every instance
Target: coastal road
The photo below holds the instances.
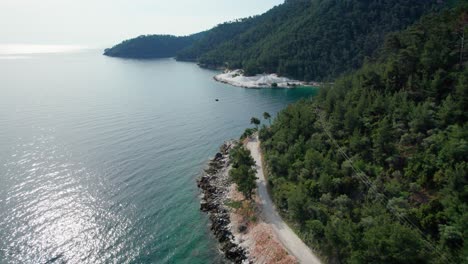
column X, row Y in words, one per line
column 285, row 234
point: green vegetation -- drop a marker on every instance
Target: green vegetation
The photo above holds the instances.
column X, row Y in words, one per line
column 152, row 46
column 374, row 169
column 302, row 39
column 248, row 132
column 308, row 40
column 267, row 116
column 233, row 204
column 255, row 121
column 243, row 171
column 216, row 36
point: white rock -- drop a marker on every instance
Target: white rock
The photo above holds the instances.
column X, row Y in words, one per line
column 237, row 78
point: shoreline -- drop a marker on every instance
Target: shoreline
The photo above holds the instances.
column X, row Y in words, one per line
column 214, row 185
column 238, row 79
column 238, row 225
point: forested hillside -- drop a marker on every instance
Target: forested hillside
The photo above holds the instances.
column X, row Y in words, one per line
column 152, row 46
column 214, row 43
column 374, row 169
column 315, row 40
column 304, row 39
column 216, row 36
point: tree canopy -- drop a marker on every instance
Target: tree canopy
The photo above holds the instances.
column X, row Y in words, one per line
column 310, row 40
column 243, row 171
column 152, row 46
column 374, row 169
column 303, row 39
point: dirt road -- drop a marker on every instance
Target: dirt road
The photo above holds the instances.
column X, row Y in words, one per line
column 286, row 235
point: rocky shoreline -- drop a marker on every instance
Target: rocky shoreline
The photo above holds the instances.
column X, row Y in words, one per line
column 214, row 185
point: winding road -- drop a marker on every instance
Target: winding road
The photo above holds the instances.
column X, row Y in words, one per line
column 285, row 234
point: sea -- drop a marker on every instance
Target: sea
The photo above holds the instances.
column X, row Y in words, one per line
column 99, row 156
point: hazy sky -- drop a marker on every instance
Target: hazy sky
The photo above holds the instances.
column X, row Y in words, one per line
column 100, row 23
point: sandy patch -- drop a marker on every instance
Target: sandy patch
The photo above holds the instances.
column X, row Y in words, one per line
column 259, row 239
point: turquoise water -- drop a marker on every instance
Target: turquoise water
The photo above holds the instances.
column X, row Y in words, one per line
column 99, row 156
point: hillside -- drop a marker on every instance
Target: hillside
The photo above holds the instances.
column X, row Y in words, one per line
column 374, row 169
column 152, row 46
column 214, row 37
column 230, row 32
column 303, row 39
column 314, row 40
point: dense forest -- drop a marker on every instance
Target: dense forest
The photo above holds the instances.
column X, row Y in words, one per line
column 314, row 40
column 243, row 172
column 214, row 37
column 374, row 169
column 152, row 46
column 304, row 39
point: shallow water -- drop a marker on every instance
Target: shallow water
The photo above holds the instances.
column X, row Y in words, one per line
column 99, row 156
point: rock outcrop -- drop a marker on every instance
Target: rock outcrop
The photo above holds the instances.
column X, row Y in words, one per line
column 214, row 185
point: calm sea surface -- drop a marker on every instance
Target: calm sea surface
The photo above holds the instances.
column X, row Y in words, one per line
column 99, row 156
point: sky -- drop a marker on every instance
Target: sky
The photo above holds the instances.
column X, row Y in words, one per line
column 101, row 23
